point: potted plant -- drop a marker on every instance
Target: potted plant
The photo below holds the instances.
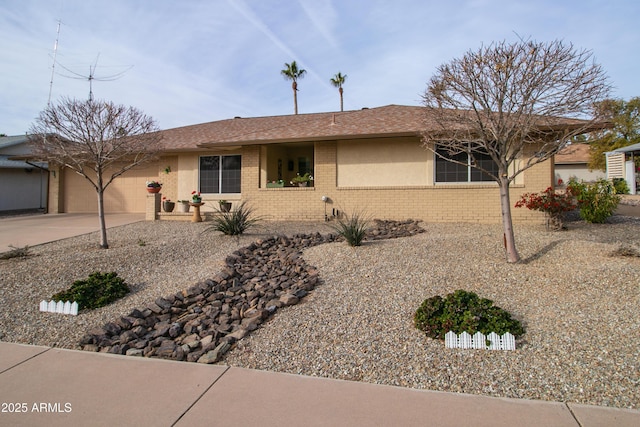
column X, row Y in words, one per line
column 183, row 206
column 224, row 206
column 302, row 181
column 153, row 187
column 168, row 205
column 275, row 184
column 195, row 197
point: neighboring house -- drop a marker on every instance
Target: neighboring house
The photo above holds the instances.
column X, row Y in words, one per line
column 368, row 160
column 23, row 185
column 621, row 163
column 571, row 162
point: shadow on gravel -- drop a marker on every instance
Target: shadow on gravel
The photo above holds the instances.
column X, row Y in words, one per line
column 542, row 251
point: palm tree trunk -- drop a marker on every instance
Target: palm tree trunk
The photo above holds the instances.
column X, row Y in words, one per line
column 294, row 85
column 341, row 103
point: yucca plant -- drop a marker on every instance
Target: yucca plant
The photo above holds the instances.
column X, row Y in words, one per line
column 236, row 221
column 353, row 228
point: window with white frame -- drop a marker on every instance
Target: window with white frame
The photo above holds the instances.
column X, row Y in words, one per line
column 220, row 174
column 452, row 171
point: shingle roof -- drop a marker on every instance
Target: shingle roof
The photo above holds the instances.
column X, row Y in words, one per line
column 390, row 120
column 573, row 153
column 387, row 121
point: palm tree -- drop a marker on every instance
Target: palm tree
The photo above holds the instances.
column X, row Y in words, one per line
column 338, row 81
column 291, row 72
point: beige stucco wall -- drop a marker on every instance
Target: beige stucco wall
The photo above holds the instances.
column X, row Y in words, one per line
column 127, row 193
column 383, row 162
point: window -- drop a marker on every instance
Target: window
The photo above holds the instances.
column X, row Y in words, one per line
column 448, row 171
column 280, row 163
column 220, row 174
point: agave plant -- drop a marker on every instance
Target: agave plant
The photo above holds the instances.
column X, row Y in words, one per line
column 353, row 228
column 235, row 221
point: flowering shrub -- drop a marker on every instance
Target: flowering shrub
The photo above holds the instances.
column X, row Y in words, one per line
column 553, row 204
column 195, row 196
column 548, row 201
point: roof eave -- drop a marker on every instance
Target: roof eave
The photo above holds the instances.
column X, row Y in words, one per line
column 209, row 145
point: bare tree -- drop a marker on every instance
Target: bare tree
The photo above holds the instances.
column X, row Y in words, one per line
column 96, row 139
column 513, row 104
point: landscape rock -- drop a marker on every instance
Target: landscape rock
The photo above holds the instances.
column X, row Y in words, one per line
column 202, row 322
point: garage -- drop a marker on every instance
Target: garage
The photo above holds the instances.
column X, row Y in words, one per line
column 126, row 194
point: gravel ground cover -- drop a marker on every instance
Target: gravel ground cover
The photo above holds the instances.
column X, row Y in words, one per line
column 579, row 304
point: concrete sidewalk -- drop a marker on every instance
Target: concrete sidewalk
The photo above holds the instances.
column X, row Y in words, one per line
column 30, row 230
column 57, row 387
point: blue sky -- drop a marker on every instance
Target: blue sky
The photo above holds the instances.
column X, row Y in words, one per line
column 198, row 61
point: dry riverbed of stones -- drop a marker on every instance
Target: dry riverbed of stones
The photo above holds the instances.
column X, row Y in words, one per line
column 201, row 323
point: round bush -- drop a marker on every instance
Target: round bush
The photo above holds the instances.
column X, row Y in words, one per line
column 463, row 311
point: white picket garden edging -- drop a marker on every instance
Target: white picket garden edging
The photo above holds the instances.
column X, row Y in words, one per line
column 59, row 307
column 479, row 341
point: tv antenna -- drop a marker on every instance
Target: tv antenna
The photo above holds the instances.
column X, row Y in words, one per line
column 53, row 67
column 91, row 77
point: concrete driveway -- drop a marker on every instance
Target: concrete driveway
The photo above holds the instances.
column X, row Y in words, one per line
column 31, row 230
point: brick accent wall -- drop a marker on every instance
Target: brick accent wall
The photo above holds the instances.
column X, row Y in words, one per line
column 152, row 206
column 434, row 203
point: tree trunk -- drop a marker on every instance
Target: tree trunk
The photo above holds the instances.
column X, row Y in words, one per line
column 103, row 226
column 341, row 104
column 507, row 222
column 294, row 85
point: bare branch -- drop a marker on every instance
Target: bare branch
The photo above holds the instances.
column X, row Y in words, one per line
column 96, row 139
column 505, row 98
column 518, row 104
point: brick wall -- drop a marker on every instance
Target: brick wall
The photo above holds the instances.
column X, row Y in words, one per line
column 436, row 203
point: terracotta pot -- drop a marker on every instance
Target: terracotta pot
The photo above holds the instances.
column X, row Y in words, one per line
column 153, row 189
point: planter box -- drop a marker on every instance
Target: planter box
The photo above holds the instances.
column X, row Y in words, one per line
column 275, row 184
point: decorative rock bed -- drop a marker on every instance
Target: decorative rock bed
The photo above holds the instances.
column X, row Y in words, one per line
column 201, row 324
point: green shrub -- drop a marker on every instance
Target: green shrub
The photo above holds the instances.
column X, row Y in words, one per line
column 596, row 201
column 236, row 221
column 16, row 252
column 98, row 290
column 463, row 311
column 353, row 228
column 620, row 185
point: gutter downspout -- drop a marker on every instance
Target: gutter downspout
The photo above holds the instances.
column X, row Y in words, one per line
column 41, row 189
